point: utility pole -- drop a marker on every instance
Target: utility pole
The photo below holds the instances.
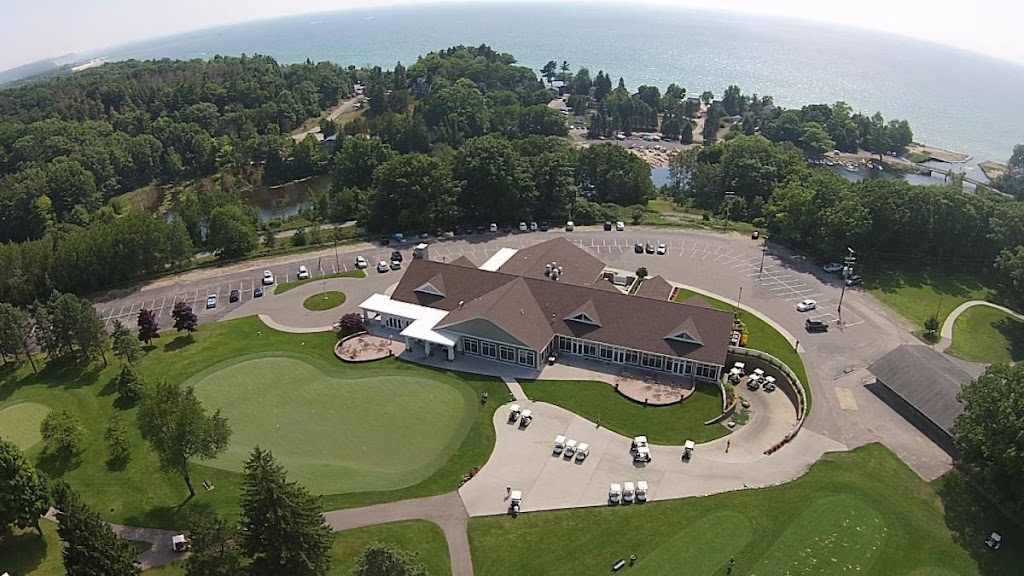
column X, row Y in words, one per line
column 764, row 249
column 738, row 298
column 337, row 263
column 848, row 264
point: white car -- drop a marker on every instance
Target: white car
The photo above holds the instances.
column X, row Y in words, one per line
column 582, row 451
column 662, row 249
column 569, row 226
column 833, row 268
column 211, row 301
column 570, row 447
column 620, row 226
column 614, row 493
column 523, row 227
column 533, row 227
column 806, row 305
column 641, row 490
column 382, row 266
column 303, row 272
column 493, row 227
column 361, row 263
column 268, row 277
column 628, row 490
column 559, row 444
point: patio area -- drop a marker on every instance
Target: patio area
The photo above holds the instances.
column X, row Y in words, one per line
column 368, row 347
column 652, row 388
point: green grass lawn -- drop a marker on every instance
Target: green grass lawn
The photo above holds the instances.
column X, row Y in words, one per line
column 599, row 402
column 24, row 552
column 324, row 301
column 862, row 512
column 984, row 334
column 286, row 286
column 336, row 431
column 425, row 539
column 762, row 337
column 143, row 495
column 916, row 291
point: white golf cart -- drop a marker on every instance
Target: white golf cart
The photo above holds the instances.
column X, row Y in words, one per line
column 582, row 451
column 994, row 541
column 513, row 412
column 638, row 442
column 643, row 454
column 559, row 444
column 527, row 417
column 628, row 490
column 515, row 501
column 179, row 543
column 614, row 493
column 570, row 448
column 641, row 491
column 688, row 449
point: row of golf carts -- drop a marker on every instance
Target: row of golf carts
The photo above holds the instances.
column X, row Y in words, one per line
column 627, row 492
column 570, row 448
column 642, row 451
column 515, row 412
column 756, row 380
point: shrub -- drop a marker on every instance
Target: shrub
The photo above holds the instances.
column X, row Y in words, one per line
column 62, row 432
column 350, row 324
column 119, row 451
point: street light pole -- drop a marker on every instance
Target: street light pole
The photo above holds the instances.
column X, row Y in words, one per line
column 764, row 249
column 848, row 262
column 740, row 297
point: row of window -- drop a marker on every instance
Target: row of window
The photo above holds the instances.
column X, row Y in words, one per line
column 510, row 354
column 636, row 358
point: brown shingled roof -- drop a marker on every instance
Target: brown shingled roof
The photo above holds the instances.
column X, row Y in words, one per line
column 463, row 261
column 578, row 266
column 655, row 287
column 531, row 309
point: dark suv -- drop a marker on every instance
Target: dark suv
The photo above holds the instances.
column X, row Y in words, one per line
column 639, row 248
column 650, row 248
column 812, row 325
column 607, row 225
column 396, row 256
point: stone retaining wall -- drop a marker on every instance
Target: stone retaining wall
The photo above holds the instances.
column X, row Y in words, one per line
column 786, row 380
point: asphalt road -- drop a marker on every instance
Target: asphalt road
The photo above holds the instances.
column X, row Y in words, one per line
column 726, row 264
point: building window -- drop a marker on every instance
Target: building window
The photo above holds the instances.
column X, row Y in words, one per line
column 607, row 352
column 589, row 349
column 471, row 345
column 488, row 349
column 508, row 354
column 527, row 357
column 564, row 343
column 632, row 357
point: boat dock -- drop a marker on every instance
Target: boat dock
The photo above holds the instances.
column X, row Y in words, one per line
column 939, row 154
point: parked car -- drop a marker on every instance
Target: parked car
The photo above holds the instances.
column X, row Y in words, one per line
column 523, row 227
column 812, row 325
column 303, row 272
column 639, row 248
column 396, row 255
column 480, row 229
column 234, row 296
column 569, row 226
column 607, row 225
column 543, row 226
column 457, row 231
column 424, row 235
column 493, row 227
column 211, row 301
column 399, row 237
column 806, row 305
column 533, row 226
column 854, row 280
column 620, row 226
column 662, row 249
column 755, row 235
column 833, row 268
column 650, row 248
column 396, row 264
column 382, row 266
column 268, row 277
column 361, row 263
column 508, row 228
column 257, row 292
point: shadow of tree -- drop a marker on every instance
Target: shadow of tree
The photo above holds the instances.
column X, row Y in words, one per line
column 57, row 464
column 23, row 551
column 970, row 518
column 164, row 516
column 179, row 343
column 110, row 387
column 67, row 372
column 1013, row 331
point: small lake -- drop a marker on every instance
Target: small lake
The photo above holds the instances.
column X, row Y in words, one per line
column 285, row 200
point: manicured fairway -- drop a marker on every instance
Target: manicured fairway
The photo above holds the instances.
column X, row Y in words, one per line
column 336, row 435
column 324, row 301
column 19, row 423
column 599, row 402
column 986, row 334
column 862, row 512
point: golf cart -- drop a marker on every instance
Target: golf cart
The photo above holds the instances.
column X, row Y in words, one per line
column 570, row 448
column 614, row 493
column 643, row 454
column 179, row 543
column 513, row 412
column 627, row 492
column 641, row 491
column 515, row 501
column 734, row 375
column 688, row 449
column 527, row 417
column 582, row 451
column 741, row 366
column 559, row 444
column 754, row 382
column 638, row 442
column 994, row 541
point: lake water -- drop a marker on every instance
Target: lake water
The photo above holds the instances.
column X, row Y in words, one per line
column 953, row 99
column 285, row 201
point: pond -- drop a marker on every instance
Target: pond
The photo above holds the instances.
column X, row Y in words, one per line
column 285, row 200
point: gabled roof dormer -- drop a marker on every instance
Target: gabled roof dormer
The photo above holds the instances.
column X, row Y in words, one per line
column 434, row 287
column 587, row 314
column 686, row 332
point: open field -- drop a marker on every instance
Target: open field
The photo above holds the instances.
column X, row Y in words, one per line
column 599, row 402
column 286, row 286
column 324, row 301
column 837, row 519
column 988, row 335
column 141, row 494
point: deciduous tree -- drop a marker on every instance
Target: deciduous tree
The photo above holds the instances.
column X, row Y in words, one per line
column 148, row 326
column 380, row 559
column 184, row 318
column 62, row 432
column 178, row 428
column 124, row 343
column 23, row 493
column 232, row 232
column 350, row 324
column 14, row 332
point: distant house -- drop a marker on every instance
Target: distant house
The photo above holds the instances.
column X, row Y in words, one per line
column 330, row 142
column 421, row 86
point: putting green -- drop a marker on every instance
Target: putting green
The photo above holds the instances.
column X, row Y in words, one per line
column 332, row 435
column 718, row 536
column 19, row 423
column 833, row 535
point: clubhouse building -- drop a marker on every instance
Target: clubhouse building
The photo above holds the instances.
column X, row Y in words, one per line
column 527, row 306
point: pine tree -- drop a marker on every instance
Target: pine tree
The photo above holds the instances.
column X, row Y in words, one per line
column 119, row 450
column 92, row 548
column 213, row 546
column 148, row 327
column 124, row 344
column 283, row 531
column 184, row 318
column 129, row 385
column 23, row 495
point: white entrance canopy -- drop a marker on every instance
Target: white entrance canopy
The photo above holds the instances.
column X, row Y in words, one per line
column 499, row 259
column 423, row 318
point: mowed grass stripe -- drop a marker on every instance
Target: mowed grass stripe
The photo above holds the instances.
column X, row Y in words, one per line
column 334, row 435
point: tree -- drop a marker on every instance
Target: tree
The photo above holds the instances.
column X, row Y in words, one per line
column 23, row 494
column 62, row 432
column 641, row 272
column 213, row 544
column 815, row 141
column 176, row 425
column 91, row 547
column 350, row 324
column 610, row 173
column 130, row 386
column 686, row 132
column 119, row 450
column 497, row 180
column 232, row 233
column 125, row 345
column 14, row 333
column 548, row 71
column 282, row 530
column 355, row 161
column 987, row 434
column 184, row 317
column 148, row 326
column 706, row 97
column 413, row 192
column 380, row 559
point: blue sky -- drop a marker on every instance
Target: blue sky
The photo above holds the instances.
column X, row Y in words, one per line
column 37, row 29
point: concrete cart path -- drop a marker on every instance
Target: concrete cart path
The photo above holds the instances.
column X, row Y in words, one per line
column 947, row 325
column 446, row 511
